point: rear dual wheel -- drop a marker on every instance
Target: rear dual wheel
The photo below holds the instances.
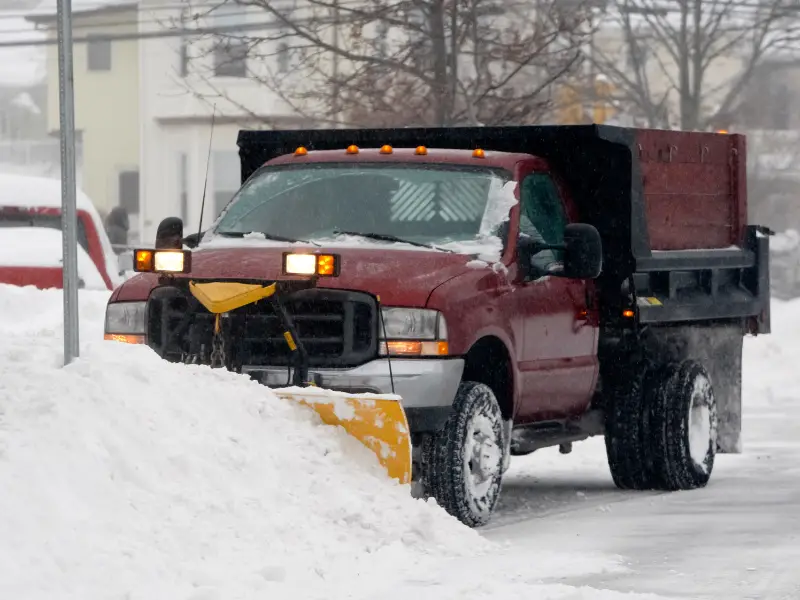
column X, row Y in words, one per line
column 661, row 428
column 463, row 462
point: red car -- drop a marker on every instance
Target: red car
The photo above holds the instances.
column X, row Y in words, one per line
column 35, row 203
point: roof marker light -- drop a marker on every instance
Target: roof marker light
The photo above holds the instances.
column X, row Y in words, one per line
column 421, row 150
column 352, row 149
column 386, row 149
column 301, row 151
column 478, row 153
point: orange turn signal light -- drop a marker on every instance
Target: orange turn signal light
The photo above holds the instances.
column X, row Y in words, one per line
column 628, row 313
column 416, row 348
column 124, row 338
column 143, row 261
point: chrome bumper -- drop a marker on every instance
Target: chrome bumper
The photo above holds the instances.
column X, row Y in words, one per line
column 422, row 383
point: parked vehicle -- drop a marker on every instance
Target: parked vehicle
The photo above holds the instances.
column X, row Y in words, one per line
column 35, row 202
column 517, row 287
column 34, row 256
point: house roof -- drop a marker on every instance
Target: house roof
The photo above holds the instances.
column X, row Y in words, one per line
column 45, row 12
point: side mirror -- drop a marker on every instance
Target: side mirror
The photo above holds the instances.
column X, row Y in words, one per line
column 170, row 234
column 583, row 252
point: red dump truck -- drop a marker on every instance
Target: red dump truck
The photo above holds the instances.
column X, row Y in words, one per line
column 517, row 287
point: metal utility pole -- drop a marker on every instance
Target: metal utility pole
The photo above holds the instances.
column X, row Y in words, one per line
column 68, row 192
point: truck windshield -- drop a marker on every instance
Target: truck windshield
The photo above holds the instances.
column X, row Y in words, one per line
column 423, row 204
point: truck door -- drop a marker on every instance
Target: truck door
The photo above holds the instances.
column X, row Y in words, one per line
column 558, row 365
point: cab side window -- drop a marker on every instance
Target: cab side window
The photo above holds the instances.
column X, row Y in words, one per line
column 542, row 218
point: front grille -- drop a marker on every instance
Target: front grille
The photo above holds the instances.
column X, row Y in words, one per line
column 336, row 328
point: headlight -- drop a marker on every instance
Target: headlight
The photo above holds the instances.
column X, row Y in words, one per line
column 125, row 322
column 413, row 332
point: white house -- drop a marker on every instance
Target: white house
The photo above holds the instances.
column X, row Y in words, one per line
column 184, row 80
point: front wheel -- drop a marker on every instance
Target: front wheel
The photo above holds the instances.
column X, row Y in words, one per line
column 463, row 462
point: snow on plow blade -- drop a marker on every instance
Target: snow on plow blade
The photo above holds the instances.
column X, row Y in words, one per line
column 378, row 422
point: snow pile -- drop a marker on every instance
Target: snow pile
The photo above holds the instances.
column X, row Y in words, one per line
column 126, row 476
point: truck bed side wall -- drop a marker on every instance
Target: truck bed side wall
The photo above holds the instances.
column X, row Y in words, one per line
column 694, row 187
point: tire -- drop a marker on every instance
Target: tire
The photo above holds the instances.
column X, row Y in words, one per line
column 466, row 488
column 685, row 424
column 627, row 429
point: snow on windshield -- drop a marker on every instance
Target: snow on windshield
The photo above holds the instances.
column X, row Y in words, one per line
column 456, row 209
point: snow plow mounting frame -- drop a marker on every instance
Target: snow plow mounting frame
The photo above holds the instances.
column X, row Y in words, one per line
column 216, row 298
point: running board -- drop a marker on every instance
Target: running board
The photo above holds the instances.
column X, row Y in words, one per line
column 535, row 436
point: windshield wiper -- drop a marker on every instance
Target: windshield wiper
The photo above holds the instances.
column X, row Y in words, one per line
column 269, row 236
column 385, row 237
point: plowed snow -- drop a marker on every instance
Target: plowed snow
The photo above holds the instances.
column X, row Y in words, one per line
column 127, row 477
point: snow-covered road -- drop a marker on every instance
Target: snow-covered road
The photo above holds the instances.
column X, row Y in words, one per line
column 124, row 477
column 737, row 538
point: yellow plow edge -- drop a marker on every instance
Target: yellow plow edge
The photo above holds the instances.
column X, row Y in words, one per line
column 377, row 422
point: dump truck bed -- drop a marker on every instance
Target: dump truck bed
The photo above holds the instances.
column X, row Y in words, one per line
column 671, row 207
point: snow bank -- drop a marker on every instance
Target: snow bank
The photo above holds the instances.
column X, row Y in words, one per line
column 125, row 476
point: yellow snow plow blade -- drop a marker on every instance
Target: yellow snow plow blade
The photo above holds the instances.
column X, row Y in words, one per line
column 378, row 422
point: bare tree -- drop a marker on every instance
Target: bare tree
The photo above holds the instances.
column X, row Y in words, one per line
column 405, row 62
column 686, row 62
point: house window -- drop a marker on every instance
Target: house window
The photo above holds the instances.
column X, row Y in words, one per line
column 283, row 58
column 230, row 50
column 184, row 50
column 129, row 191
column 183, row 174
column 383, row 34
column 98, row 53
column 227, row 178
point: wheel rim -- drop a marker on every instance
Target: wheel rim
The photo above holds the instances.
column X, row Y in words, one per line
column 483, row 459
column 701, row 431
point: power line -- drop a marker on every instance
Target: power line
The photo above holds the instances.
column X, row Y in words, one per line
column 198, row 31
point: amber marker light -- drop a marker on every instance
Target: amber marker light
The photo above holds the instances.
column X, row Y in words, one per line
column 326, row 265
column 352, row 149
column 421, row 151
column 124, row 338
column 301, row 151
column 386, row 149
column 478, row 153
column 143, row 261
column 627, row 313
column 416, row 348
